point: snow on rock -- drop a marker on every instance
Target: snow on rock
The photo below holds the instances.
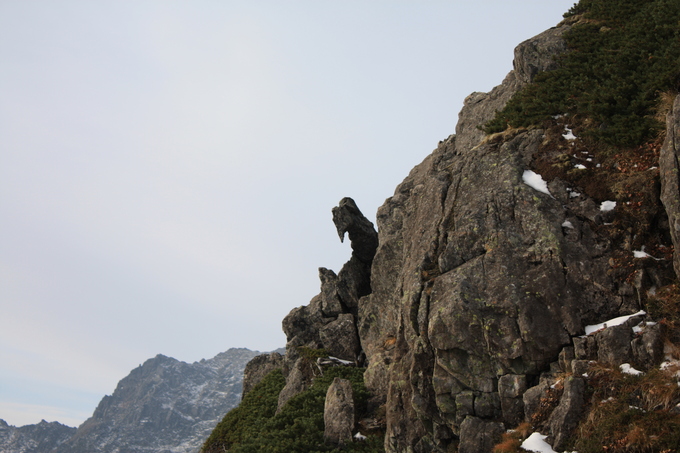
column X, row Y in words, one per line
column 535, row 181
column 627, row 369
column 608, row 205
column 580, row 166
column 568, row 134
column 536, row 442
column 612, row 322
column 643, row 254
column 640, row 327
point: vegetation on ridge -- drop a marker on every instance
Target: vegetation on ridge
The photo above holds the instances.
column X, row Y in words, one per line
column 622, row 55
column 254, row 427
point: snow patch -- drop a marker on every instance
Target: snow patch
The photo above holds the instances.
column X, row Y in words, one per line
column 643, row 254
column 535, row 181
column 580, row 166
column 627, row 369
column 612, row 322
column 607, row 206
column 536, row 442
column 568, row 134
column 567, row 224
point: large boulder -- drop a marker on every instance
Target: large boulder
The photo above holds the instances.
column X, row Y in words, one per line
column 339, row 415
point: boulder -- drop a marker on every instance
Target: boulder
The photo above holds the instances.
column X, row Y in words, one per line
column 339, row 414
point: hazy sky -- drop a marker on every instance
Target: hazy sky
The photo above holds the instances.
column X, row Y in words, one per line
column 168, row 168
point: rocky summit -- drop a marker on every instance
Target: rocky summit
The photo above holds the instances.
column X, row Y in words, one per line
column 514, row 279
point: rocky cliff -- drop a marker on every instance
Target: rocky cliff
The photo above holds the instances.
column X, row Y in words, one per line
column 472, row 307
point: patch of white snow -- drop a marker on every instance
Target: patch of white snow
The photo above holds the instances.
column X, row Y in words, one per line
column 567, row 224
column 612, row 322
column 643, row 254
column 580, row 166
column 536, row 442
column 568, row 134
column 608, row 205
column 535, row 181
column 359, row 436
column 627, row 369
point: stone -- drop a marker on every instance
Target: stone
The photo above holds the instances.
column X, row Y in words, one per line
column 532, row 399
column 340, row 338
column 648, row 347
column 339, row 414
column 479, row 436
column 298, row 380
column 565, row 358
column 613, row 345
column 512, row 385
column 487, row 405
column 585, row 348
column 465, row 405
column 669, row 172
column 258, row 368
column 580, row 367
column 565, row 418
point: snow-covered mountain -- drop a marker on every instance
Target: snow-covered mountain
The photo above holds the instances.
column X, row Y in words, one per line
column 162, row 406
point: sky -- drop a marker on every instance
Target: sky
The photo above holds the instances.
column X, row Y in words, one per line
column 168, row 168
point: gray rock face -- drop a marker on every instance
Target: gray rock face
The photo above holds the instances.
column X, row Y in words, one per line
column 163, row 406
column 670, row 177
column 40, row 438
column 566, row 415
column 338, row 414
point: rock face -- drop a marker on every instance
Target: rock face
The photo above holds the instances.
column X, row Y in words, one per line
column 338, row 415
column 163, row 406
column 670, row 177
column 478, row 286
column 40, row 438
column 258, row 368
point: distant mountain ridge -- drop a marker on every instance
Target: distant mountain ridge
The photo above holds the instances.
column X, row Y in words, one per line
column 41, row 437
column 162, row 406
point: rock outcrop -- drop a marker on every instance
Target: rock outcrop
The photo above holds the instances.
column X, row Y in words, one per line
column 329, row 321
column 339, row 415
column 476, row 291
column 670, row 177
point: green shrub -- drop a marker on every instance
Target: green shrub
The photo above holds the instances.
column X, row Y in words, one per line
column 244, row 421
column 622, row 55
column 298, row 427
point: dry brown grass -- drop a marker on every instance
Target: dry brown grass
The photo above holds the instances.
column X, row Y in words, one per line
column 512, row 440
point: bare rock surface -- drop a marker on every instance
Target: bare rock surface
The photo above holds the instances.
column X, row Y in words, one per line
column 339, row 415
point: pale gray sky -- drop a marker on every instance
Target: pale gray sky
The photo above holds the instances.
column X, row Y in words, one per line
column 167, row 168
